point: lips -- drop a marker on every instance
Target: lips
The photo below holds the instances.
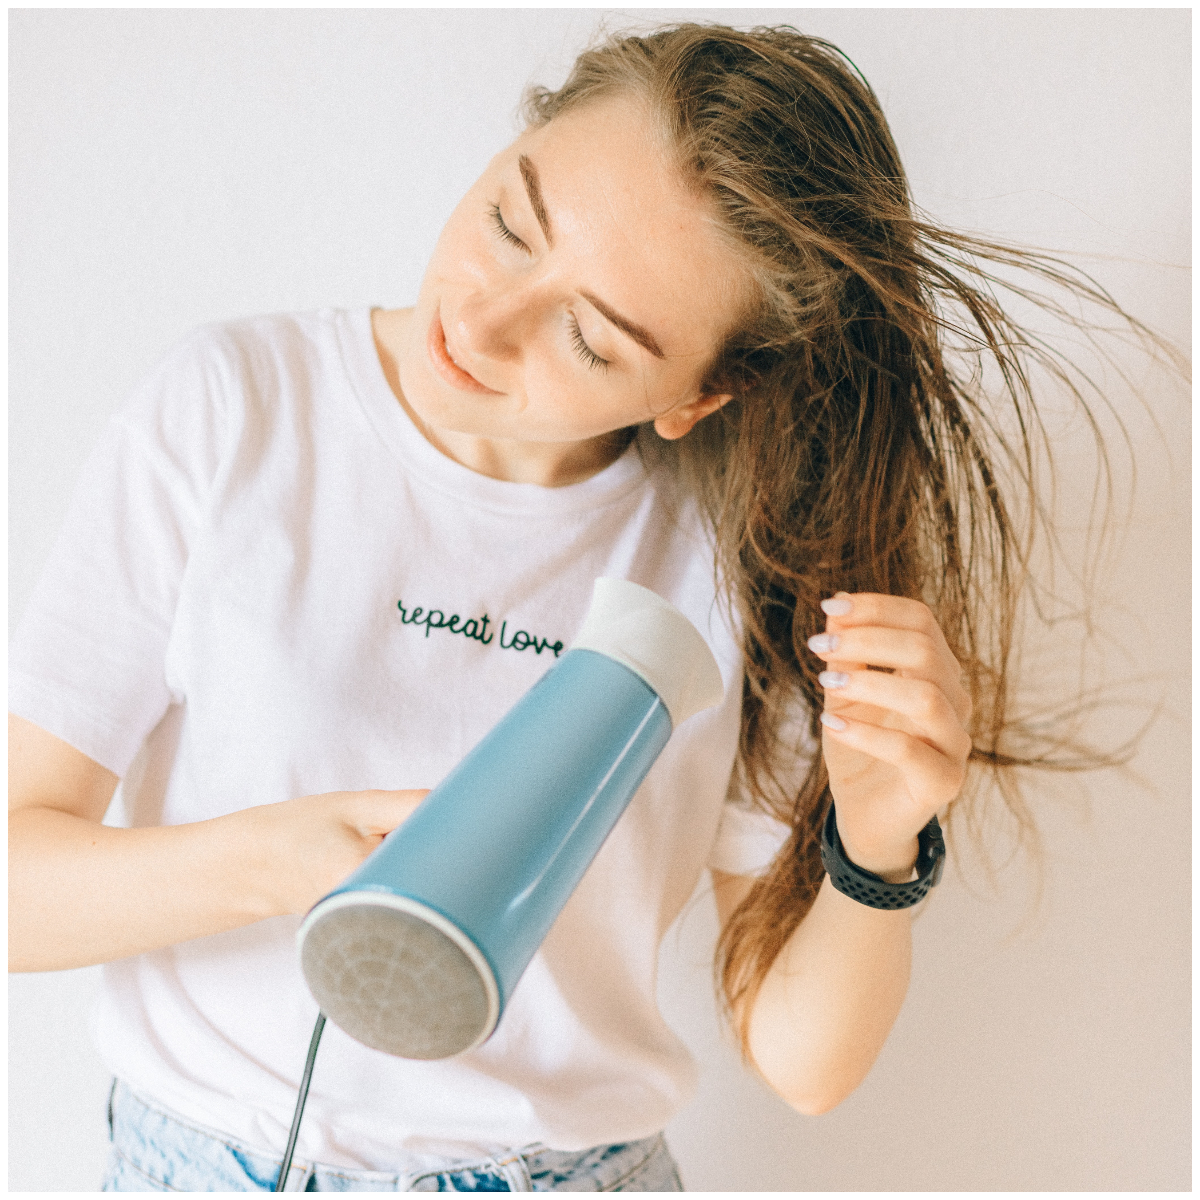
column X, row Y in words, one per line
column 445, row 366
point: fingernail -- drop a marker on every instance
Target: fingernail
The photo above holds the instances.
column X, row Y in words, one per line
column 837, row 607
column 823, row 643
column 833, row 679
column 827, row 718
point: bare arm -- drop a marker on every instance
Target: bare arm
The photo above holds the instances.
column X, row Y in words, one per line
column 82, row 893
column 830, row 999
column 896, row 746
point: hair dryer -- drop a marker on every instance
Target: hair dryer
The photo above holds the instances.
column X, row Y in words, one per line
column 418, row 951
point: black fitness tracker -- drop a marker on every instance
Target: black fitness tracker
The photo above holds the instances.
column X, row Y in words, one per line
column 868, row 888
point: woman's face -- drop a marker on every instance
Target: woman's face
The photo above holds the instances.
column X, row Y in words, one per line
column 578, row 288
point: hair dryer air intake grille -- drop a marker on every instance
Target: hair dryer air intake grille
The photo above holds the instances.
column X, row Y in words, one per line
column 396, row 982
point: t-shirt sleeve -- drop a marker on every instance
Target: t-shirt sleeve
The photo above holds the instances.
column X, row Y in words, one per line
column 87, row 662
column 748, row 839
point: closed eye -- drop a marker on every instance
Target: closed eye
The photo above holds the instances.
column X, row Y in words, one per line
column 583, row 350
column 503, row 230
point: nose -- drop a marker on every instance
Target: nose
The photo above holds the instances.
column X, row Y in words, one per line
column 493, row 322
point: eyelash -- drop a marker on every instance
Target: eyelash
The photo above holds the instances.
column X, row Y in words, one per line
column 583, row 350
column 503, row 230
column 588, row 356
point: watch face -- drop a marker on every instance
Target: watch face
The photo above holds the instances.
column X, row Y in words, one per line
column 939, row 863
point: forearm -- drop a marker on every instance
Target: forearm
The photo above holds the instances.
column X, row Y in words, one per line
column 830, row 999
column 895, row 743
column 83, row 893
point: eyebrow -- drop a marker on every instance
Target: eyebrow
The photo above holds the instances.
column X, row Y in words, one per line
column 643, row 337
column 533, row 188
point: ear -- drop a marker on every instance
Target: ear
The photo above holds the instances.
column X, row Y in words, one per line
column 677, row 421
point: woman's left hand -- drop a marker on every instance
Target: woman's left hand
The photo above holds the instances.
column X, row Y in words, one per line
column 895, row 742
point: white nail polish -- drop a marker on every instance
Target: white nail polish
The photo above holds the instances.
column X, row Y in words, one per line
column 823, row 643
column 827, row 718
column 837, row 607
column 833, row 679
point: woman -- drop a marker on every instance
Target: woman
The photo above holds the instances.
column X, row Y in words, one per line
column 704, row 234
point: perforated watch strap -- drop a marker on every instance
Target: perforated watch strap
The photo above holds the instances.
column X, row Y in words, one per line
column 868, row 888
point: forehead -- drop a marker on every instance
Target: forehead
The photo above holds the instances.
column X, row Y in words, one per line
column 623, row 216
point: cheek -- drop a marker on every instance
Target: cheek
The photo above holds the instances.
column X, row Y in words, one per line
column 546, row 381
column 560, row 405
column 570, row 403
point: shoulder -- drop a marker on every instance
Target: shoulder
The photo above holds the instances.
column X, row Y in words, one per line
column 227, row 377
column 276, row 345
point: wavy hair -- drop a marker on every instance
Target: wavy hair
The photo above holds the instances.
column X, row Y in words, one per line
column 883, row 435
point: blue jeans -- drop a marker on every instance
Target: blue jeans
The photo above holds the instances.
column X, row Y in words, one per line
column 154, row 1150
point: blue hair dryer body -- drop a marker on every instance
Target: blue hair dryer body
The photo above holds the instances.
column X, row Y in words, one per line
column 418, row 951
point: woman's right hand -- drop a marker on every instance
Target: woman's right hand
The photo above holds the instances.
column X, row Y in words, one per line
column 309, row 845
column 81, row 892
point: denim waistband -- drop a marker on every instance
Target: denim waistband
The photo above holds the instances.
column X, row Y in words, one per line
column 154, row 1149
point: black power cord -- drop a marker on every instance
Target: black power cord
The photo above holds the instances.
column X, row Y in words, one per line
column 281, row 1182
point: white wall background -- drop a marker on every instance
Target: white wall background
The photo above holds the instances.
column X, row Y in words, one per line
column 171, row 167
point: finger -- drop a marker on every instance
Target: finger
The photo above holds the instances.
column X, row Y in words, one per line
column 928, row 774
column 916, row 654
column 840, row 664
column 844, row 665
column 377, row 813
column 881, row 646
column 846, row 611
column 922, row 703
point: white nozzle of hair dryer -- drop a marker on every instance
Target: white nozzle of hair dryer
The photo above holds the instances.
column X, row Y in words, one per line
column 641, row 630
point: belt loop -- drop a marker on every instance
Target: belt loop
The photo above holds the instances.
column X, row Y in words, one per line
column 515, row 1169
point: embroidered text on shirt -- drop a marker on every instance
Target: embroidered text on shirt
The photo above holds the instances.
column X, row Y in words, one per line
column 476, row 628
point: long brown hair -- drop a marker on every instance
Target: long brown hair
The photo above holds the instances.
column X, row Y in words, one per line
column 883, row 436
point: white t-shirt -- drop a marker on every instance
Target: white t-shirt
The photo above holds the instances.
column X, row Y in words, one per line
column 229, row 619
